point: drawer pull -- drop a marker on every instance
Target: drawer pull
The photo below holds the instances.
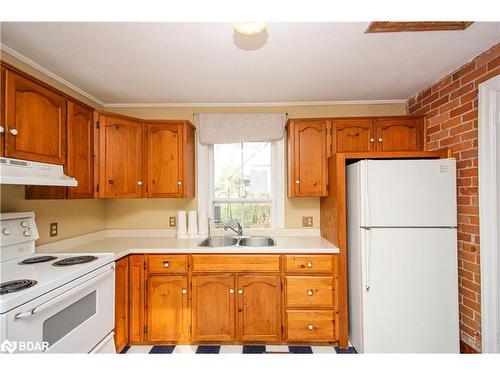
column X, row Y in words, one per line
column 240, row 291
column 184, row 291
column 309, row 265
column 310, row 327
column 166, row 264
column 231, row 291
column 310, row 292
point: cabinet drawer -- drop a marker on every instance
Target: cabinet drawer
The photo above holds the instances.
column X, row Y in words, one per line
column 309, row 291
column 311, row 325
column 236, row 263
column 311, row 263
column 167, row 263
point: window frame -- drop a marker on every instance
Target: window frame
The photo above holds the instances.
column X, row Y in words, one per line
column 205, row 176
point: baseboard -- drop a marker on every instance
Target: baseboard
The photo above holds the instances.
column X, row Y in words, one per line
column 467, row 349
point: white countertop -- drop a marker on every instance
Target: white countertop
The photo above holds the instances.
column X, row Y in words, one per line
column 122, row 246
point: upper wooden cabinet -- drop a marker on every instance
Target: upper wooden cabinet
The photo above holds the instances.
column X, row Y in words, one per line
column 170, row 147
column 2, row 112
column 399, row 134
column 352, row 135
column 80, row 154
column 35, row 121
column 308, row 146
column 120, row 157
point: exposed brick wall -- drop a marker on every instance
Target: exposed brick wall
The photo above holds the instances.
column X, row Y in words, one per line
column 451, row 107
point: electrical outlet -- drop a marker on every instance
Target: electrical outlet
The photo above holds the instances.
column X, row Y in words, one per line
column 53, row 229
column 172, row 221
column 307, row 221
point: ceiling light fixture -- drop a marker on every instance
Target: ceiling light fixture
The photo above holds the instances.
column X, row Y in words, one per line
column 249, row 28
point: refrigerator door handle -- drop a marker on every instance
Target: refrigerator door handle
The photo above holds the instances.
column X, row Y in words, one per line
column 368, row 238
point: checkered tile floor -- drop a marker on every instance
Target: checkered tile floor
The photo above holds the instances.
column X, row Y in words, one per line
column 235, row 349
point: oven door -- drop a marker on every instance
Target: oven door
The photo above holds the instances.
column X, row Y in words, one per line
column 73, row 321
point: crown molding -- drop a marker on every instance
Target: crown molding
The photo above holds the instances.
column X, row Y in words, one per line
column 263, row 104
column 47, row 72
column 84, row 93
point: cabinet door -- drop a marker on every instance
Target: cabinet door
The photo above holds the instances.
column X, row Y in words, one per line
column 399, row 134
column 308, row 158
column 164, row 148
column 136, row 310
column 121, row 303
column 167, row 308
column 120, row 157
column 213, row 308
column 80, row 161
column 259, row 308
column 353, row 135
column 2, row 111
column 35, row 121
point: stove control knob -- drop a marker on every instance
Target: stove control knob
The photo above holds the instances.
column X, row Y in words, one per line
column 27, row 233
column 6, row 231
column 25, row 224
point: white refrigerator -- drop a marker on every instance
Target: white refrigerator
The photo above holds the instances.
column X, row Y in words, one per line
column 402, row 256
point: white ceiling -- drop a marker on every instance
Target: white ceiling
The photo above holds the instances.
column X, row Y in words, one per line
column 204, row 63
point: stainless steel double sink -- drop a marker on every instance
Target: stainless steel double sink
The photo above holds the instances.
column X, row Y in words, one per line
column 252, row 241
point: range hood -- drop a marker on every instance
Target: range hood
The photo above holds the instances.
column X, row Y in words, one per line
column 24, row 172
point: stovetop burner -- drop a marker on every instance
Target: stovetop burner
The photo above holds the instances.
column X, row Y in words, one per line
column 40, row 259
column 16, row 285
column 74, row 260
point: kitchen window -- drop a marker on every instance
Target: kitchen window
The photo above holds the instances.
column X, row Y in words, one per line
column 242, row 181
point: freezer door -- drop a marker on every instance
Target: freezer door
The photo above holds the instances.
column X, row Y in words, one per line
column 407, row 193
column 410, row 291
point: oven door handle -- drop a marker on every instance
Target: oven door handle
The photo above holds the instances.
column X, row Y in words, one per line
column 62, row 296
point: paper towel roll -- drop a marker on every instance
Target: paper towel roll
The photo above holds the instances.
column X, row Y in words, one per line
column 203, row 224
column 181, row 224
column 192, row 223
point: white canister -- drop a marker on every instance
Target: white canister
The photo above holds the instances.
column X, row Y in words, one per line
column 192, row 224
column 181, row 224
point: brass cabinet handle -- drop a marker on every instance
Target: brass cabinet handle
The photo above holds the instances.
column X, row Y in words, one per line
column 166, row 264
column 13, row 131
column 309, row 265
column 139, row 183
column 240, row 291
column 380, row 140
column 2, row 129
column 179, row 183
column 372, row 140
column 297, row 182
column 310, row 327
column 184, row 291
column 310, row 292
column 231, row 291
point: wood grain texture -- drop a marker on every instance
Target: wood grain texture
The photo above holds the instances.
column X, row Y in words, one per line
column 353, row 135
column 39, row 117
column 236, row 263
column 213, row 308
column 121, row 303
column 404, row 134
column 259, row 308
column 120, row 157
column 311, row 325
column 137, row 294
column 2, row 110
column 167, row 312
column 166, row 264
column 310, row 291
column 310, row 264
column 393, row 27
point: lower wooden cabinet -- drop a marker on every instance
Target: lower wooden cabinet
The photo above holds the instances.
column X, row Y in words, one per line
column 121, row 303
column 166, row 298
column 259, row 308
column 213, row 308
column 167, row 312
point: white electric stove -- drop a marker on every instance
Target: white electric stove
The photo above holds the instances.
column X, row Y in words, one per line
column 52, row 303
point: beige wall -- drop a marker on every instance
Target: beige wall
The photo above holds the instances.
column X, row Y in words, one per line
column 74, row 217
column 77, row 217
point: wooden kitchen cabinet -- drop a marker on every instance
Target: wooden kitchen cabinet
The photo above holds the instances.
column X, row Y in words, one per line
column 213, row 303
column 35, row 120
column 2, row 112
column 137, row 326
column 170, row 150
column 120, row 157
column 353, row 135
column 167, row 312
column 399, row 134
column 308, row 145
column 259, row 308
column 121, row 303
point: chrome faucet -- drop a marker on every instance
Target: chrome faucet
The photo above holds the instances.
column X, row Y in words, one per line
column 231, row 224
